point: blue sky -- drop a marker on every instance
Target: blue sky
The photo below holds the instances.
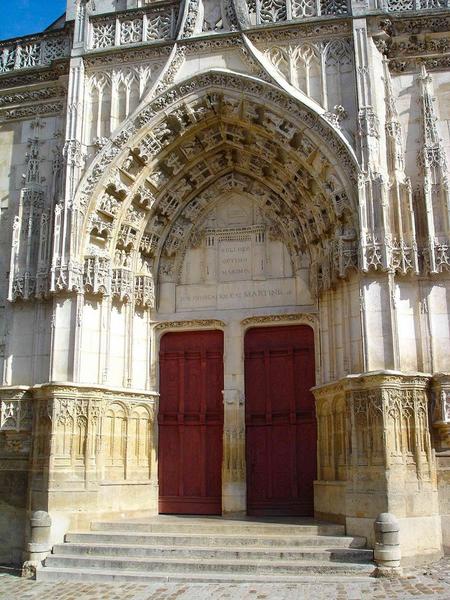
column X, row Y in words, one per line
column 20, row 17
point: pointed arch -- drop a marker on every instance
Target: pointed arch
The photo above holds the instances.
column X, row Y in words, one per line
column 141, row 189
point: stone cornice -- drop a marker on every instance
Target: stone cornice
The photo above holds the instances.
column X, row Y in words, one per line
column 16, row 79
column 374, row 380
column 409, row 43
column 34, row 94
column 119, row 55
column 70, row 389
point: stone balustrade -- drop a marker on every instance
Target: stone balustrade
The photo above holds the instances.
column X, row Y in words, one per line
column 156, row 23
column 263, row 12
column 31, row 52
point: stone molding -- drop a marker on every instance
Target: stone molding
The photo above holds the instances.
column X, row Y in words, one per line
column 190, row 324
column 410, row 43
column 297, row 318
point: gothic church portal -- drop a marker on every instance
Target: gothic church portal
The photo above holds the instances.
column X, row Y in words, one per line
column 225, row 232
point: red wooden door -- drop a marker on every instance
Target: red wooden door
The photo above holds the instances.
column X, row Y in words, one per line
column 280, row 420
column 191, row 423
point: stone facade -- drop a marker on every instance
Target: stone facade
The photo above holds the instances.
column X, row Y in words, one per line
column 169, row 166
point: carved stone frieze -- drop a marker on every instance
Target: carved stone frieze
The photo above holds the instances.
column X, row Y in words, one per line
column 409, row 43
column 322, row 30
column 35, row 110
column 130, row 56
column 34, row 95
column 191, row 324
column 307, row 318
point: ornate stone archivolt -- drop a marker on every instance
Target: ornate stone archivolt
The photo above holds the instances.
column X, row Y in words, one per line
column 214, row 136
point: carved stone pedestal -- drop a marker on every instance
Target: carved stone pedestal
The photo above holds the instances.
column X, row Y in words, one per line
column 373, row 434
column 93, row 455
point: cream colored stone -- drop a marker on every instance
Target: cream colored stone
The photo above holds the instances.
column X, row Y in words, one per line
column 231, row 179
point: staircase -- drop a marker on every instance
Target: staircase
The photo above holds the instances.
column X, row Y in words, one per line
column 208, row 550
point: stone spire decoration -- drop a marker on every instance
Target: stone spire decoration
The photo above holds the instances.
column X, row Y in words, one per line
column 400, row 236
column 433, row 165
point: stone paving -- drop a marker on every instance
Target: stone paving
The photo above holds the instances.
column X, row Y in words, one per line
column 432, row 582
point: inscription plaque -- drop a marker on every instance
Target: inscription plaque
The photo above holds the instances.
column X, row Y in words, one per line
column 235, row 260
column 248, row 294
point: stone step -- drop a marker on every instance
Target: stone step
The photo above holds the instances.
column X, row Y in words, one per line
column 209, row 549
column 221, row 526
column 161, row 552
column 207, row 566
column 48, row 574
column 220, row 540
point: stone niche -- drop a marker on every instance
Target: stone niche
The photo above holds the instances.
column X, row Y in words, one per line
column 236, row 258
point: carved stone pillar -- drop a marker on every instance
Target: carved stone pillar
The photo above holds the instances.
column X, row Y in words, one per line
column 393, row 467
column 93, row 453
column 233, row 466
column 390, row 463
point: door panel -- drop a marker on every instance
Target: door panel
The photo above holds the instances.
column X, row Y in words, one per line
column 191, row 423
column 280, row 420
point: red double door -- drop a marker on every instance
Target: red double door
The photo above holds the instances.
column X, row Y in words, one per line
column 280, row 423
